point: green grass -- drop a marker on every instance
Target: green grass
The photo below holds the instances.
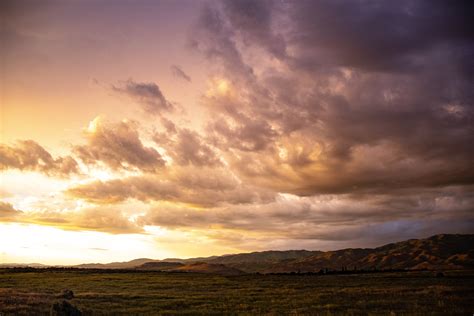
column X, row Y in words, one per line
column 420, row 293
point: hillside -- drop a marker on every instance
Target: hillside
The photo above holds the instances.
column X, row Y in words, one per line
column 249, row 262
column 195, row 267
column 22, row 265
column 160, row 266
column 115, row 265
column 445, row 252
column 258, row 261
column 211, row 268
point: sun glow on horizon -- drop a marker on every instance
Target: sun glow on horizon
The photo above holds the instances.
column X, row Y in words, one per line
column 50, row 245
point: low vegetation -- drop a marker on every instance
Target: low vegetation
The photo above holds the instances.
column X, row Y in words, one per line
column 105, row 292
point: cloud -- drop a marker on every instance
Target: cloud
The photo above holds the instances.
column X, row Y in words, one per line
column 254, row 19
column 187, row 147
column 212, row 36
column 343, row 106
column 118, row 146
column 104, row 219
column 321, row 128
column 329, row 218
column 8, row 212
column 179, row 73
column 245, row 134
column 356, row 39
column 203, row 187
column 98, row 249
column 325, row 129
column 30, row 156
column 147, row 94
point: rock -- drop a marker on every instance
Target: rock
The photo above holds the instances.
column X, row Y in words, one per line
column 64, row 308
column 67, row 294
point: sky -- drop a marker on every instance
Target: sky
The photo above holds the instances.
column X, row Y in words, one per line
column 188, row 128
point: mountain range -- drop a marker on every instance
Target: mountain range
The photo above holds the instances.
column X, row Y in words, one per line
column 439, row 252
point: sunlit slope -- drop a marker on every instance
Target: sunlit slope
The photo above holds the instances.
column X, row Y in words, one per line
column 437, row 252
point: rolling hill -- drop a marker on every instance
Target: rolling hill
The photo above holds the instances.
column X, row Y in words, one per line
column 160, row 266
column 439, row 252
column 210, row 268
column 115, row 265
column 446, row 252
column 196, row 267
column 258, row 261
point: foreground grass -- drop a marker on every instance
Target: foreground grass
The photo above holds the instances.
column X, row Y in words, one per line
column 33, row 293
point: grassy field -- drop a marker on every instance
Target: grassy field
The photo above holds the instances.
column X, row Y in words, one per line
column 417, row 293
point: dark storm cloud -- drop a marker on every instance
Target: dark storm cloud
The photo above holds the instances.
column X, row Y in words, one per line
column 146, row 94
column 30, row 156
column 179, row 73
column 254, row 20
column 378, row 35
column 369, row 96
column 213, row 37
column 118, row 146
column 334, row 217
